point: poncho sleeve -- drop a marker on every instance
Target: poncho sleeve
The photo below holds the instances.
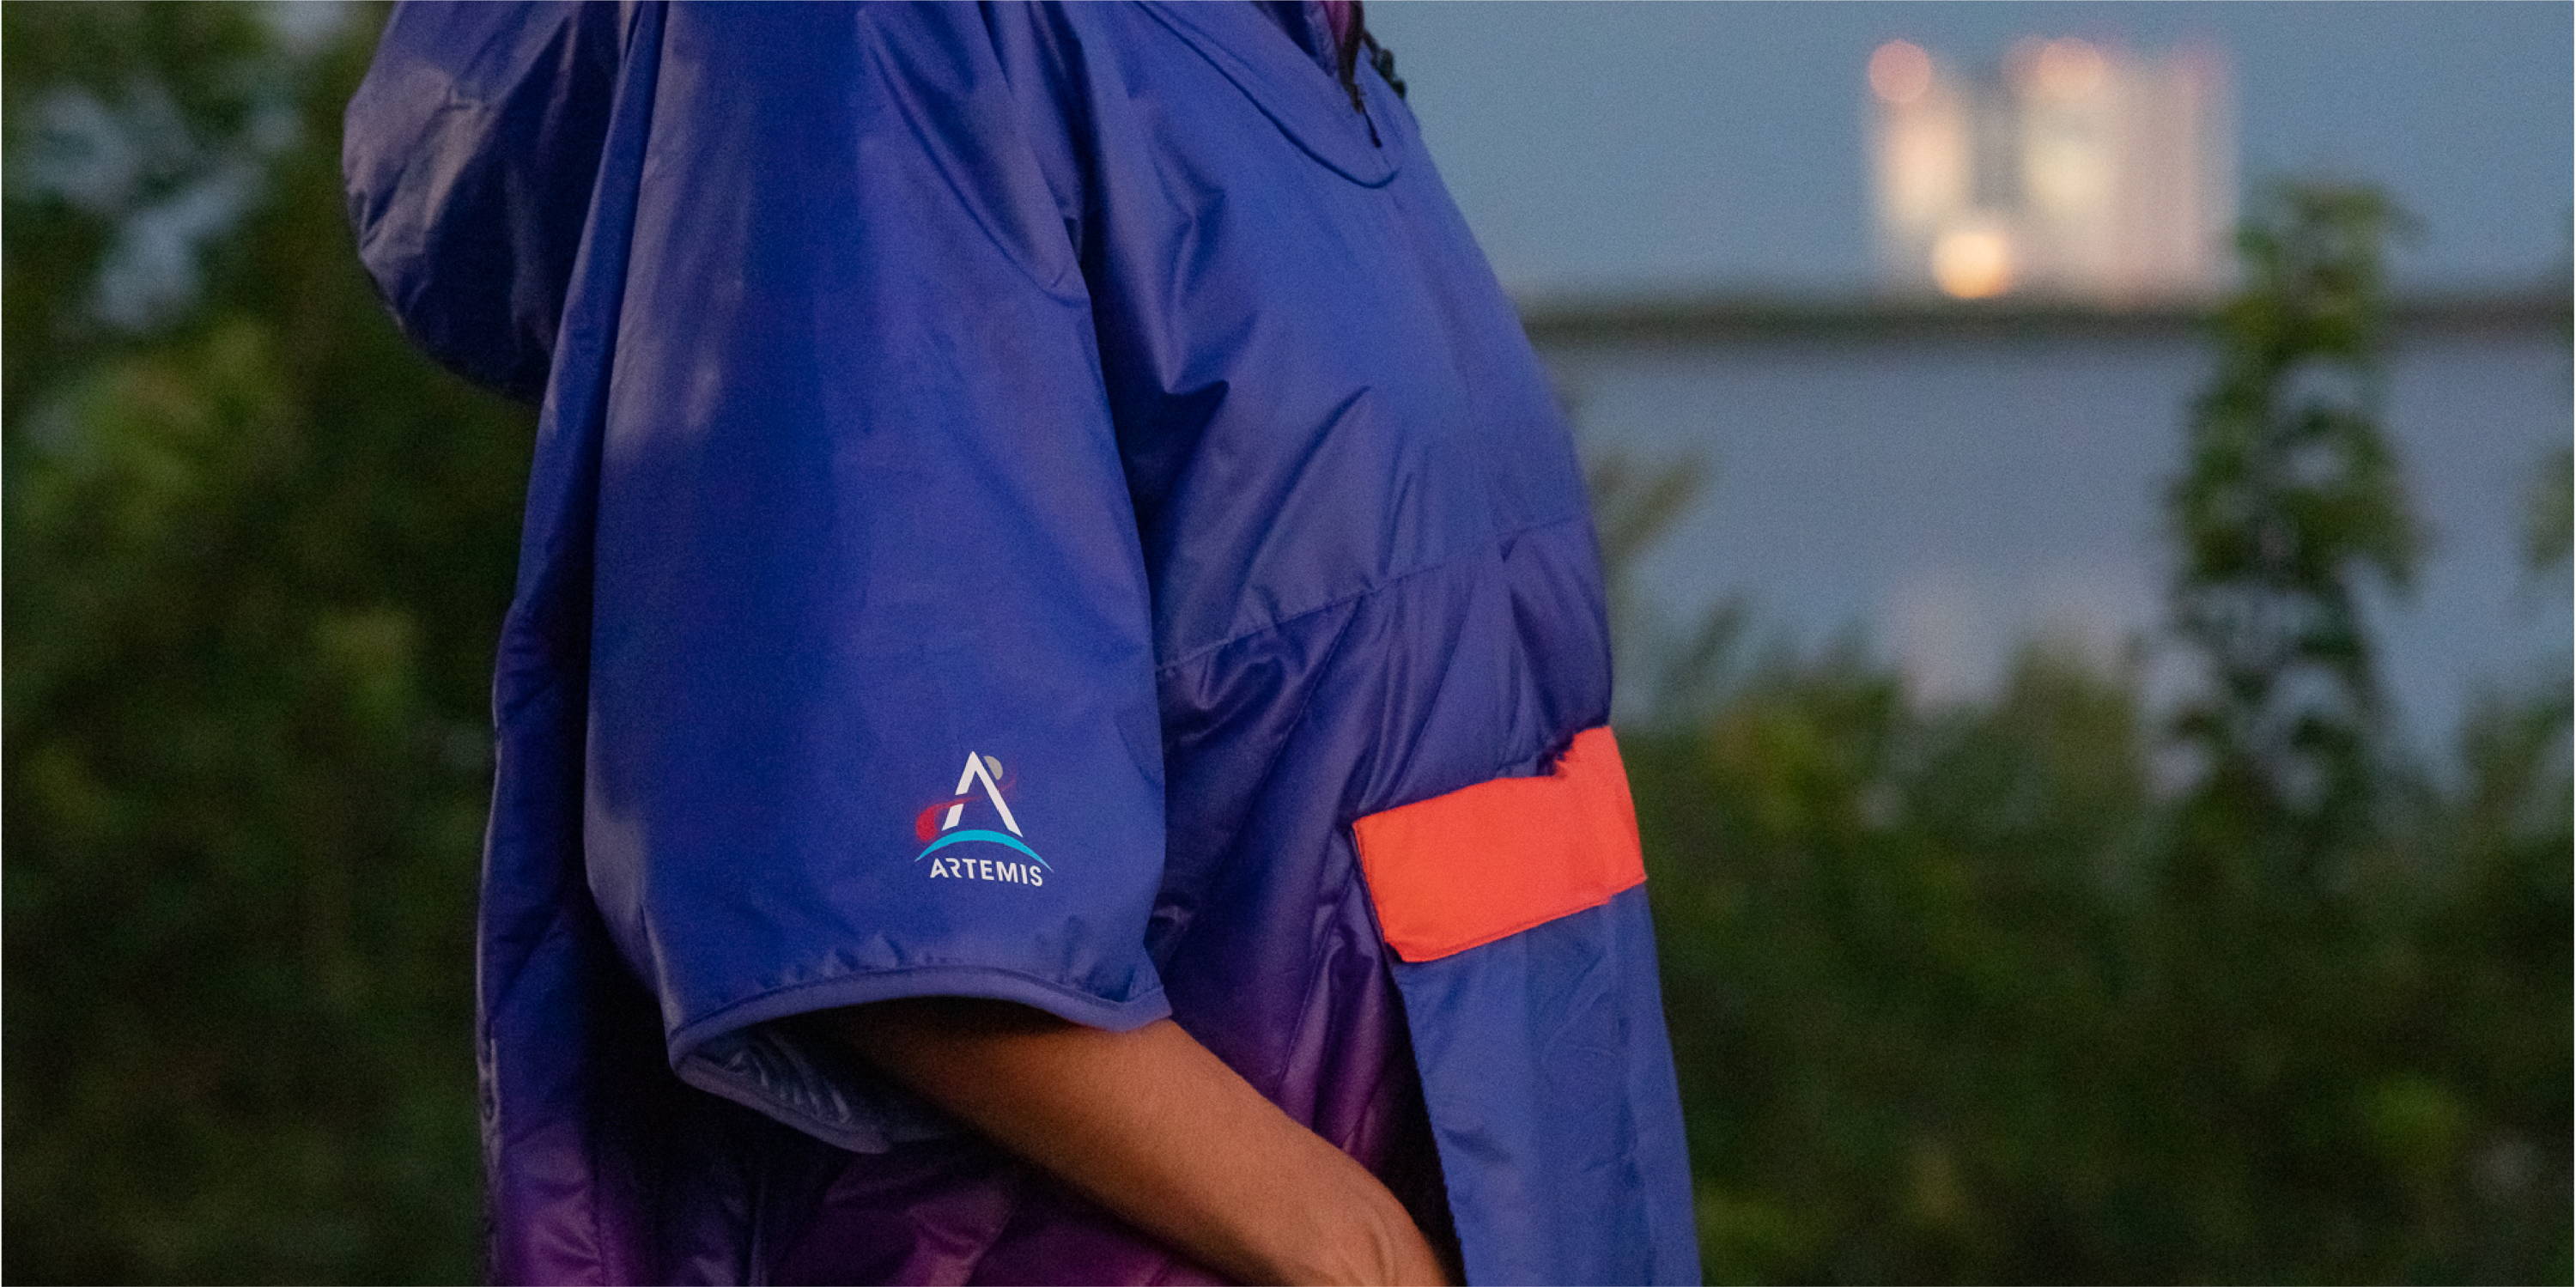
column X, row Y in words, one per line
column 871, row 681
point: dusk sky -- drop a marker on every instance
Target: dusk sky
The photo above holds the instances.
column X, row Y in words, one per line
column 1952, row 499
column 1678, row 145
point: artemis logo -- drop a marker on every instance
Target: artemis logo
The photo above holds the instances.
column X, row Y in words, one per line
column 937, row 826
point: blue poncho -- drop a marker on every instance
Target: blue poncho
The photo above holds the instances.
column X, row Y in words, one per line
column 1037, row 502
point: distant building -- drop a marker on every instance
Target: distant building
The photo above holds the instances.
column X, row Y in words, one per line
column 2074, row 170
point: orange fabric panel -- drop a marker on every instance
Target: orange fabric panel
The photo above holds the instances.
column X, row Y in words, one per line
column 1490, row 860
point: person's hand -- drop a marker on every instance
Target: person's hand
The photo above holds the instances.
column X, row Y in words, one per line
column 1156, row 1128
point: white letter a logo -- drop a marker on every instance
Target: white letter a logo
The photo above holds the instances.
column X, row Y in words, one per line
column 979, row 771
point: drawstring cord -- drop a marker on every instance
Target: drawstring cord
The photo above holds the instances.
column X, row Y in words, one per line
column 1383, row 59
column 1380, row 57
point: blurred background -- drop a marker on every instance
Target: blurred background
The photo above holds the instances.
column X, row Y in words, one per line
column 2087, row 488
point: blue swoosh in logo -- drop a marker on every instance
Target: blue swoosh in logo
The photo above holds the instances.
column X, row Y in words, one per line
column 995, row 837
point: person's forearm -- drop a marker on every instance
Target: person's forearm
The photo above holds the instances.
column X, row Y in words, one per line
column 1153, row 1126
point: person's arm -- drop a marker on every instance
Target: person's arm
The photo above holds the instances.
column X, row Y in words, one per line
column 1156, row 1128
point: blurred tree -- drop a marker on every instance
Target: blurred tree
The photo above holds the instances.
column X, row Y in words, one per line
column 2290, row 498
column 256, row 553
column 130, row 127
column 2550, row 527
column 2491, row 954
column 1679, row 676
column 1958, row 994
column 1891, row 955
column 2268, row 987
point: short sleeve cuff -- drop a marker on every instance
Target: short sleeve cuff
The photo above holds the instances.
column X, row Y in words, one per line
column 749, row 1053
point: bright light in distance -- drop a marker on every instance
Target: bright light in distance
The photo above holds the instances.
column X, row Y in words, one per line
column 2065, row 68
column 2069, row 68
column 1972, row 263
column 1899, row 71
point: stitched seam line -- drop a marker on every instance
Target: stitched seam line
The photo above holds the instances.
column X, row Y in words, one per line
column 1301, row 614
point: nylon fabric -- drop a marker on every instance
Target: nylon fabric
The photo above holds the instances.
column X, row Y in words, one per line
column 1013, row 485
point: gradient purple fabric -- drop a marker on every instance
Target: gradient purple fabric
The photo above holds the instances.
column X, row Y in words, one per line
column 1082, row 394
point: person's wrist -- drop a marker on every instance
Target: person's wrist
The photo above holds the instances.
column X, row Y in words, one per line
column 1370, row 1241
column 1408, row 1260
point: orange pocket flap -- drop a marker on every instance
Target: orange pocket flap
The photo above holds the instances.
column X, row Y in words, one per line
column 1490, row 860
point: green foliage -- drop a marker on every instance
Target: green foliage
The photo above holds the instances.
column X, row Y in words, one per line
column 256, row 555
column 1934, row 1022
column 1959, row 995
column 1893, row 954
column 2289, row 498
column 2551, row 528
